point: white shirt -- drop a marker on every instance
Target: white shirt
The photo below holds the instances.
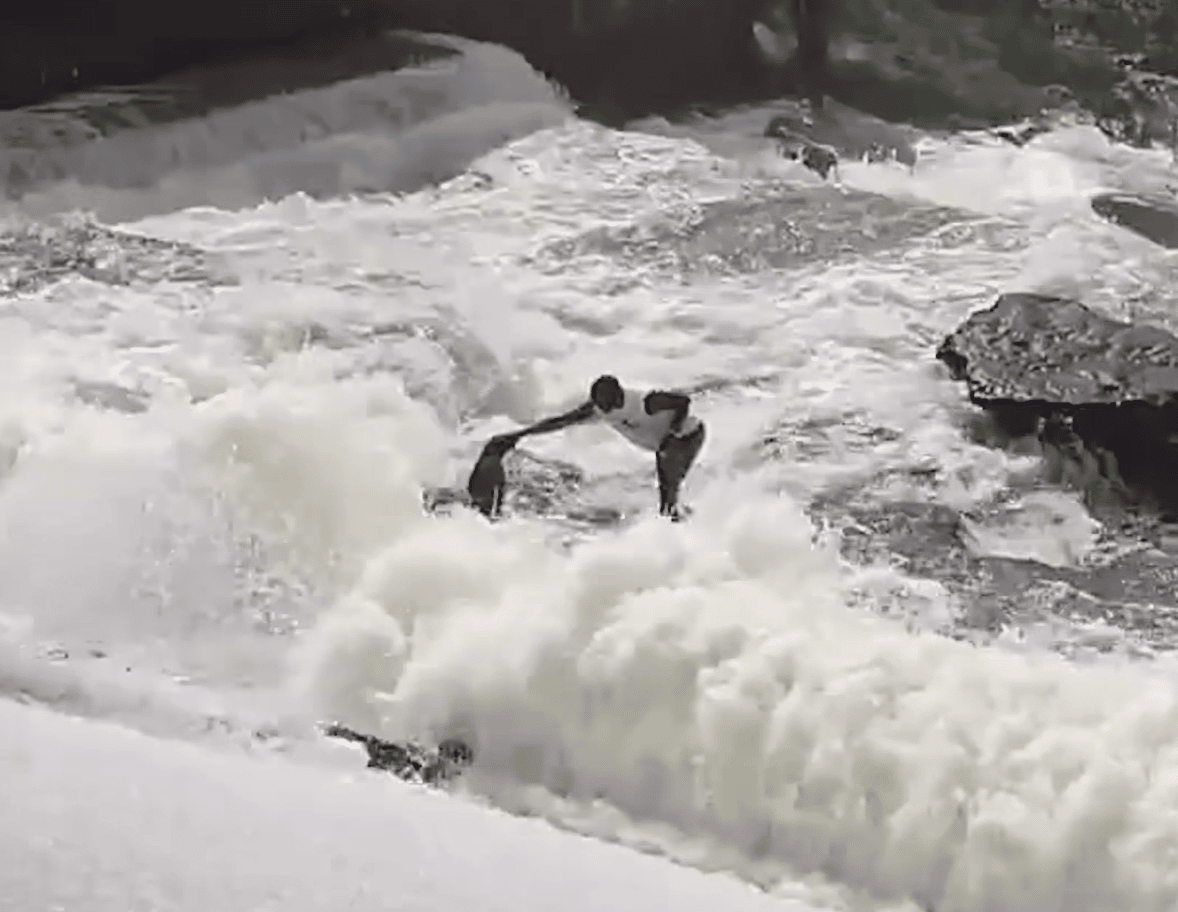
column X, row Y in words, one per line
column 647, row 431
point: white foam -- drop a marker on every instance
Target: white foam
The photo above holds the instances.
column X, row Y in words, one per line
column 719, row 684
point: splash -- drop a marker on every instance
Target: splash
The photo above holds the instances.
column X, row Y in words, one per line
column 713, row 679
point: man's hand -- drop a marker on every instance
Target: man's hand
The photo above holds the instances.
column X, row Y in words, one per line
column 501, row 444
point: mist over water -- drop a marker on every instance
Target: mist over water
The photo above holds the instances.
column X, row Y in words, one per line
column 216, row 485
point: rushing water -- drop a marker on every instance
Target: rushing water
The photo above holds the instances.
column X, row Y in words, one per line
column 213, row 453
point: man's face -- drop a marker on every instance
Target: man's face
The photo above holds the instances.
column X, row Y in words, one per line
column 607, row 399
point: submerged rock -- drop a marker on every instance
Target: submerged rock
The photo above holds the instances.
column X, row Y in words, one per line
column 774, row 225
column 112, row 396
column 33, row 256
column 1151, row 217
column 1130, row 587
column 513, row 478
column 1099, row 393
column 411, row 762
column 520, row 484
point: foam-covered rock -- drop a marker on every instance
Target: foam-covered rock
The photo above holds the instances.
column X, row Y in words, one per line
column 32, row 256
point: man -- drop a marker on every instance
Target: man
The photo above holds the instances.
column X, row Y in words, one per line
column 657, row 421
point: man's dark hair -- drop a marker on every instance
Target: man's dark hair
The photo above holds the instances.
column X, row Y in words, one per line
column 605, row 390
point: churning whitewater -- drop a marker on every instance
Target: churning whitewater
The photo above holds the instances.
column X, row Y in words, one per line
column 211, row 519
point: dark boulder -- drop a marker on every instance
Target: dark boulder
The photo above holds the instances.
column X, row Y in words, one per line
column 1039, row 348
column 411, row 762
column 1022, row 133
column 1097, row 392
column 1140, row 110
column 1152, row 217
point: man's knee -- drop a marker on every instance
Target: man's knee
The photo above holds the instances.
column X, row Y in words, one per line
column 688, row 447
column 676, row 455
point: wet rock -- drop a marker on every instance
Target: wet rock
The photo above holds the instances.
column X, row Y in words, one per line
column 818, row 439
column 1031, row 348
column 411, row 762
column 550, row 490
column 537, row 486
column 1100, row 394
column 1135, row 589
column 1155, row 218
column 929, row 539
column 1141, row 109
column 522, row 484
column 1022, row 133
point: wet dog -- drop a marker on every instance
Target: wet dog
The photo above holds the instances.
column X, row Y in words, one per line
column 487, row 479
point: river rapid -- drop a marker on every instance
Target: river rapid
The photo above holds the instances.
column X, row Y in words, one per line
column 877, row 667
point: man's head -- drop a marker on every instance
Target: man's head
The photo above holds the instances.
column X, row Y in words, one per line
column 606, row 393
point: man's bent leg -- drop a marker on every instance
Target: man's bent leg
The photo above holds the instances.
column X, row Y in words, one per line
column 672, row 462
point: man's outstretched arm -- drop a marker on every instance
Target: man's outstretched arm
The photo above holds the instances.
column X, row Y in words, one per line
column 579, row 415
column 661, row 401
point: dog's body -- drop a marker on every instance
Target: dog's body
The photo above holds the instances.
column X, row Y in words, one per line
column 488, row 479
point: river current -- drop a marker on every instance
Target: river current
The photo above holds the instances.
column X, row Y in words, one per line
column 281, row 326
